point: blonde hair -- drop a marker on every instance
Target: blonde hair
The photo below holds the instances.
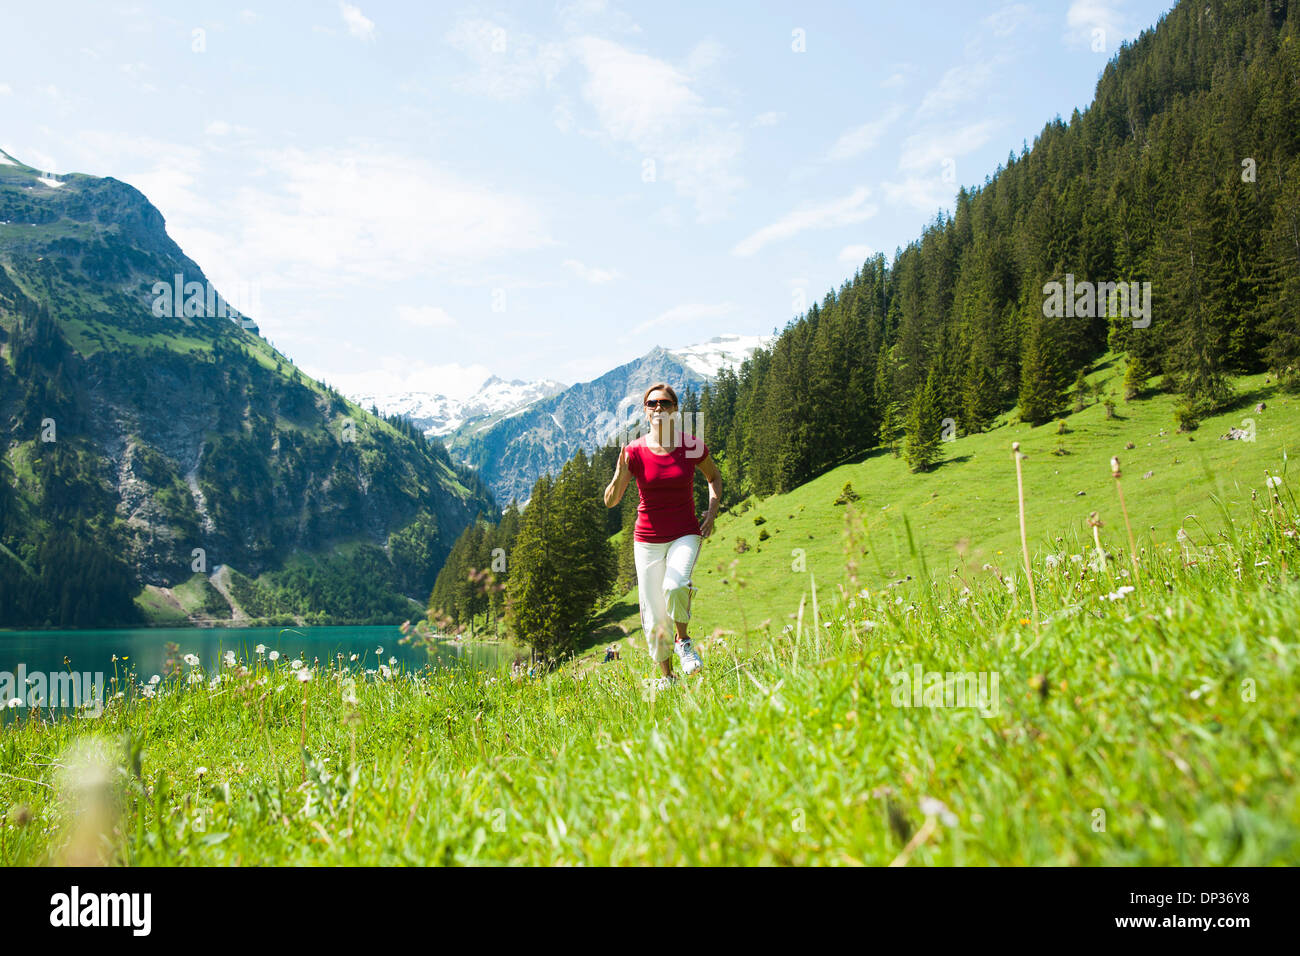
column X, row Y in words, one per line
column 660, row 387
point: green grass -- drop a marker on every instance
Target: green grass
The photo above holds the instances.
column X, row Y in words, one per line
column 157, row 611
column 1157, row 726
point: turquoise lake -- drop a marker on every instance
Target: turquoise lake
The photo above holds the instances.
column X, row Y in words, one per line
column 144, row 649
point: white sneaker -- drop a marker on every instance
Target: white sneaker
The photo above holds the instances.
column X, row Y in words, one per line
column 686, row 654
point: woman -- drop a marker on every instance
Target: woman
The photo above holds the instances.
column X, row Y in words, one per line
column 667, row 536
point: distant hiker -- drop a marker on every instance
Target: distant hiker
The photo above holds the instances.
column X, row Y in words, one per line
column 611, row 654
column 668, row 533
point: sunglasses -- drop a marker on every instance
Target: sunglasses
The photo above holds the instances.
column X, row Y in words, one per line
column 660, row 403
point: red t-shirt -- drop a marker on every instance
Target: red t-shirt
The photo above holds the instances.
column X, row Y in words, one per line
column 667, row 487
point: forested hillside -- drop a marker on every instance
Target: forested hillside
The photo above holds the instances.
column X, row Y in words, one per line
column 1184, row 173
column 140, row 449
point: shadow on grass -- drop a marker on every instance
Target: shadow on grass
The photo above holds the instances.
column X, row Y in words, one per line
column 604, row 628
column 1243, row 401
column 955, row 460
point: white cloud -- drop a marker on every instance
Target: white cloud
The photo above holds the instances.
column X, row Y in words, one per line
column 1086, row 16
column 958, row 85
column 926, row 151
column 588, row 273
column 926, row 194
column 425, row 316
column 648, row 104
column 508, row 63
column 222, row 128
column 1009, row 18
column 704, row 56
column 398, row 376
column 562, row 116
column 770, row 118
column 5, row 89
column 690, row 312
column 248, row 16
column 348, row 215
column 358, row 24
column 339, row 216
column 862, row 139
column 845, row 211
column 855, row 254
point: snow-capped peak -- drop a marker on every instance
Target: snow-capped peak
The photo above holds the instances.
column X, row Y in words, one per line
column 438, row 415
column 721, row 351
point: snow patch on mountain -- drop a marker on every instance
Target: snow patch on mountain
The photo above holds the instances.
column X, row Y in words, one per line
column 438, row 415
column 721, row 351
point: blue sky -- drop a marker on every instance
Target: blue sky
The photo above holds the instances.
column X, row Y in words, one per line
column 413, row 195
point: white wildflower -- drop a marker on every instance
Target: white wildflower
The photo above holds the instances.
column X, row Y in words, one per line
column 931, row 807
column 274, row 655
column 191, row 659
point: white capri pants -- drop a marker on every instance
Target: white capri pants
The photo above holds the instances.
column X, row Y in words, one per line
column 663, row 580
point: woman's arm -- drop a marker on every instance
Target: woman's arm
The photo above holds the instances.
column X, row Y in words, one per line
column 618, row 484
column 713, row 475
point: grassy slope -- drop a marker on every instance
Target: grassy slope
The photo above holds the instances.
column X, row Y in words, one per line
column 967, row 505
column 1159, row 728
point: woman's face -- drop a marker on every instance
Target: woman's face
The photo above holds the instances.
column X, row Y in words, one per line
column 659, row 407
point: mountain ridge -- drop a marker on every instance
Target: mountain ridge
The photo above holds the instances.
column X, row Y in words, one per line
column 141, row 448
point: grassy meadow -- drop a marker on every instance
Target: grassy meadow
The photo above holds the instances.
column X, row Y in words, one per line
column 1148, row 716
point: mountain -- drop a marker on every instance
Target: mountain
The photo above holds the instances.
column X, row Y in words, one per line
column 149, row 439
column 722, row 351
column 439, row 415
column 513, row 449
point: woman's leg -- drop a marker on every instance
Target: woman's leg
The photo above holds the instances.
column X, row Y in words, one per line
column 680, row 564
column 651, row 563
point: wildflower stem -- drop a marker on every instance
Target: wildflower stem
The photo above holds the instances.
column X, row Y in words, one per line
column 1132, row 544
column 1024, row 539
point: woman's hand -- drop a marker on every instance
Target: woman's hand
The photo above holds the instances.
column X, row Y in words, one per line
column 706, row 526
column 618, row 484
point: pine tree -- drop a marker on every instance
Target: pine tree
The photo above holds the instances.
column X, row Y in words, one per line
column 924, row 421
column 1040, row 373
column 979, row 398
